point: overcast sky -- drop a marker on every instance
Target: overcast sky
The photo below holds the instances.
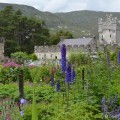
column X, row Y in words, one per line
column 70, row 5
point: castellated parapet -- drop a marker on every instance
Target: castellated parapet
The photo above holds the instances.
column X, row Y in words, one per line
column 109, row 30
column 56, row 48
column 54, row 51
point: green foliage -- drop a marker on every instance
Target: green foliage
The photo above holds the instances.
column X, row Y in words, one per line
column 33, row 57
column 40, row 73
column 21, row 32
column 9, row 91
column 34, row 107
column 80, row 100
column 8, row 75
column 114, row 54
column 55, row 38
column 57, row 110
column 20, row 56
column 26, row 73
column 79, row 58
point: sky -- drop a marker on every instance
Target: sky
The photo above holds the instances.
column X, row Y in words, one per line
column 70, row 5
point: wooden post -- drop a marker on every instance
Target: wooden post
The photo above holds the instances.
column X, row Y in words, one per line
column 83, row 75
column 21, row 84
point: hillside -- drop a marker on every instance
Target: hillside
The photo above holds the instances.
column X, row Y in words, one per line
column 80, row 23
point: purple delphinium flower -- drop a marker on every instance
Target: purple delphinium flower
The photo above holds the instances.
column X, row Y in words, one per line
column 119, row 116
column 57, row 86
column 104, row 106
column 103, row 101
column 105, row 109
column 52, row 81
column 113, row 101
column 21, row 112
column 63, row 57
column 119, row 57
column 110, row 102
column 68, row 73
column 73, row 75
column 22, row 101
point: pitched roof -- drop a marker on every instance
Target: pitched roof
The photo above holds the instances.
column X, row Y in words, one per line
column 78, row 41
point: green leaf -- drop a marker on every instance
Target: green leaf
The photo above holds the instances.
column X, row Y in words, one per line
column 34, row 107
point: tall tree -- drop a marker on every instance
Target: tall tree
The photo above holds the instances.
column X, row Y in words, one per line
column 21, row 31
column 55, row 38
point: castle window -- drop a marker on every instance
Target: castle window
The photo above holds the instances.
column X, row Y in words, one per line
column 55, row 57
column 109, row 30
column 44, row 56
column 110, row 35
column 102, row 37
column 39, row 55
column 51, row 56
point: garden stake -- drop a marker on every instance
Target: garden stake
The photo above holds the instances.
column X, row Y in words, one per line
column 83, row 77
column 21, row 84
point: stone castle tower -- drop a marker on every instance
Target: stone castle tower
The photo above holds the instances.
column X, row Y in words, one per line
column 109, row 30
column 1, row 49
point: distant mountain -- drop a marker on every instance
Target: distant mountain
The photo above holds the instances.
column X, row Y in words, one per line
column 80, row 23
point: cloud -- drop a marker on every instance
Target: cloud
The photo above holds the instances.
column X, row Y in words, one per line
column 104, row 5
column 55, row 5
column 70, row 5
column 65, row 5
column 74, row 6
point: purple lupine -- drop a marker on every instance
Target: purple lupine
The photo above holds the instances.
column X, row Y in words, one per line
column 119, row 57
column 112, row 114
column 104, row 106
column 22, row 101
column 119, row 116
column 57, row 86
column 105, row 109
column 73, row 75
column 68, row 73
column 112, row 101
column 52, row 81
column 103, row 101
column 115, row 113
column 63, row 57
column 22, row 112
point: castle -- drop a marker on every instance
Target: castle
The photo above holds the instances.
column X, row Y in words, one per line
column 1, row 49
column 109, row 30
column 109, row 34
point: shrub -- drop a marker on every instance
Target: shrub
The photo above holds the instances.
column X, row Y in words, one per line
column 78, row 58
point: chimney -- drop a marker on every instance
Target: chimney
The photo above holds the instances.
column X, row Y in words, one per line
column 62, row 38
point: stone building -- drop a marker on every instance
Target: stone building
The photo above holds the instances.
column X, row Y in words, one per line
column 109, row 30
column 109, row 34
column 54, row 51
column 1, row 49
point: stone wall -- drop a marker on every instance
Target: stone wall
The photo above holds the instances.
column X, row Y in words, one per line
column 54, row 51
column 1, row 52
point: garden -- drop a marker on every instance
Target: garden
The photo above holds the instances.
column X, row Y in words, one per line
column 80, row 88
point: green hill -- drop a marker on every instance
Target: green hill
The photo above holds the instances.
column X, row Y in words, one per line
column 80, row 23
